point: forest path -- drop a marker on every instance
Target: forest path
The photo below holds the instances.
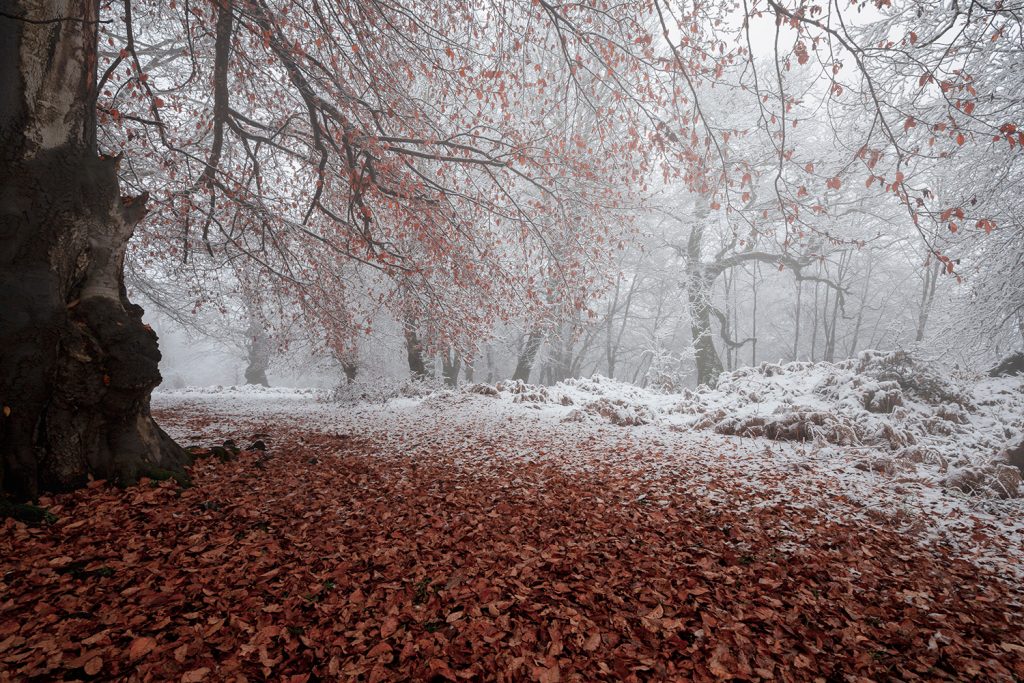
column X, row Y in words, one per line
column 450, row 542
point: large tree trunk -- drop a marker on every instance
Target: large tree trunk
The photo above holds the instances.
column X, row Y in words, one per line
column 451, row 363
column 698, row 293
column 524, row 366
column 709, row 364
column 258, row 357
column 77, row 365
column 350, row 368
column 414, row 351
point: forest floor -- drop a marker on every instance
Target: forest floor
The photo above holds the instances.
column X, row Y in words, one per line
column 468, row 538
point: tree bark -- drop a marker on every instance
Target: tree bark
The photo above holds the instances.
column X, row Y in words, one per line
column 77, row 365
column 931, row 278
column 709, row 364
column 258, row 358
column 525, row 363
column 414, row 351
column 451, row 363
column 796, row 325
column 698, row 292
column 753, row 317
column 350, row 369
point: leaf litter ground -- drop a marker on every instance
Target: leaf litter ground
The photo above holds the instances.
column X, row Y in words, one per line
column 460, row 538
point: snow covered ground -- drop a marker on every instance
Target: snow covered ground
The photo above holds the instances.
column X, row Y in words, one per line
column 694, row 442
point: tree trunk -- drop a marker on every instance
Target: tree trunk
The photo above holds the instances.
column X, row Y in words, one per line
column 77, row 365
column 525, row 363
column 451, row 363
column 350, row 369
column 753, row 317
column 814, row 324
column 258, row 357
column 491, row 370
column 560, row 367
column 860, row 312
column 931, row 278
column 831, row 331
column 414, row 350
column 796, row 326
column 698, row 293
column 709, row 364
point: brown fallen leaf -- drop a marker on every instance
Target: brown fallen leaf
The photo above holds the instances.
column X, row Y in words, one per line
column 389, row 626
column 141, row 647
column 93, row 666
column 195, row 675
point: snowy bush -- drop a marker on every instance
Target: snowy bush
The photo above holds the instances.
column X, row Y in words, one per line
column 906, row 411
column 483, row 390
column 621, row 413
column 988, row 479
column 383, row 390
column 665, row 375
column 916, row 377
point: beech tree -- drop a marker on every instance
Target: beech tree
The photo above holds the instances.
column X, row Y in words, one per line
column 78, row 364
column 288, row 133
column 430, row 143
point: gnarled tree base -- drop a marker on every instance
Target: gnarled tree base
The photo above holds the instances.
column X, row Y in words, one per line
column 84, row 411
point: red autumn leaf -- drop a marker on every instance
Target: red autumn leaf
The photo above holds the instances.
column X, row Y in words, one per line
column 389, row 626
column 93, row 666
column 141, row 647
column 195, row 675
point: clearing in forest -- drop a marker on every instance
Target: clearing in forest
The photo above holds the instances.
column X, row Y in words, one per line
column 463, row 537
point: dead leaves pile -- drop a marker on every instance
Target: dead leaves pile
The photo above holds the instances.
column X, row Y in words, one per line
column 342, row 559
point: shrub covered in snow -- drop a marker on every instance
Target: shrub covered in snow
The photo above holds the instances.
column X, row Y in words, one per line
column 383, row 390
column 902, row 410
column 898, row 411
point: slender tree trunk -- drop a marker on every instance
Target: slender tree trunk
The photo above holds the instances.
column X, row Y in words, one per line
column 735, row 361
column 727, row 282
column 525, row 363
column 753, row 333
column 561, row 360
column 77, row 364
column 860, row 313
column 831, row 330
column 814, row 323
column 796, row 327
column 931, row 278
column 492, row 372
column 609, row 347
